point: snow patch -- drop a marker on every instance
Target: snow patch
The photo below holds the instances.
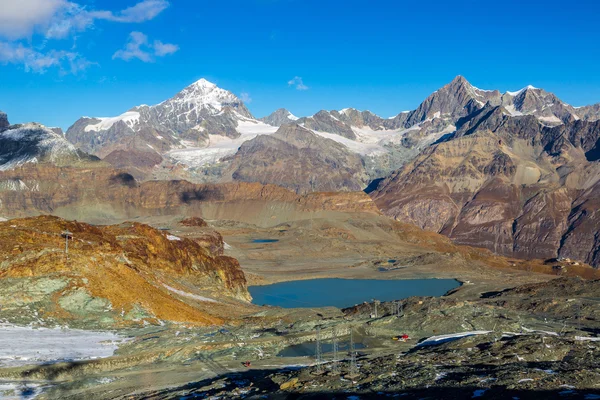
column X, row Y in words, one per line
column 189, row 295
column 131, row 118
column 435, row 340
column 553, row 119
column 26, row 345
column 587, row 339
column 19, row 391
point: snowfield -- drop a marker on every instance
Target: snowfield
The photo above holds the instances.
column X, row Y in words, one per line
column 435, row 340
column 26, row 345
column 221, row 146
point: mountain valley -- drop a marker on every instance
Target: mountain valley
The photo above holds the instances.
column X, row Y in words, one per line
column 148, row 228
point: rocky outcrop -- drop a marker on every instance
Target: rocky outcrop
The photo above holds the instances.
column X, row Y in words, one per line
column 113, row 275
column 299, row 160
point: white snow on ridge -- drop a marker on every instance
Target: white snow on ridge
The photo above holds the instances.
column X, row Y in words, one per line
column 131, row 118
column 28, row 346
column 518, row 92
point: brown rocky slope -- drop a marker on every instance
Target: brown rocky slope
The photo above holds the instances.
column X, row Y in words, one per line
column 113, row 275
column 299, row 160
column 101, row 194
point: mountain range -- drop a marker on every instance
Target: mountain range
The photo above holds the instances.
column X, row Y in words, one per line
column 515, row 172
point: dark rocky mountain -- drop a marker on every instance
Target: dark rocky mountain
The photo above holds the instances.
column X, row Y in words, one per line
column 300, row 160
column 279, row 117
column 508, row 183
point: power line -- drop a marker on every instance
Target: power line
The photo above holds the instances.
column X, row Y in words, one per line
column 353, row 363
column 318, row 352
column 335, row 368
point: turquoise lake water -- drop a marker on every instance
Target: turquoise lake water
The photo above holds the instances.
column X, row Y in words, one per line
column 346, row 292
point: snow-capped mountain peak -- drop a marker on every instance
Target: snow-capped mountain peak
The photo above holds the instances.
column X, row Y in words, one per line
column 203, row 95
column 198, row 110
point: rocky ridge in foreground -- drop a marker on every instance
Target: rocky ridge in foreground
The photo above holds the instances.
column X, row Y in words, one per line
column 130, row 274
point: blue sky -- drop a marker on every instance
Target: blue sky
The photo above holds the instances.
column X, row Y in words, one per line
column 62, row 59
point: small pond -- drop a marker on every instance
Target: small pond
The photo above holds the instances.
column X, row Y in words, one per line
column 265, row 241
column 346, row 292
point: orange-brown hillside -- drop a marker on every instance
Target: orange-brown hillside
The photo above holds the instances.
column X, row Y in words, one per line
column 134, row 267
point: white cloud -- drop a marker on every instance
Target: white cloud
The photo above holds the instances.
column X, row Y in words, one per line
column 298, row 83
column 138, row 47
column 164, row 49
column 245, row 97
column 56, row 19
column 18, row 19
column 141, row 12
column 39, row 62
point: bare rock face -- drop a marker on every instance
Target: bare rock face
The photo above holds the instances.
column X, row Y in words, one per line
column 457, row 99
column 299, row 160
column 137, row 162
column 512, row 184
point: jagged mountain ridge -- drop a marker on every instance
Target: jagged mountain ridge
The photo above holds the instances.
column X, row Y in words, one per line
column 192, row 135
column 506, row 182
